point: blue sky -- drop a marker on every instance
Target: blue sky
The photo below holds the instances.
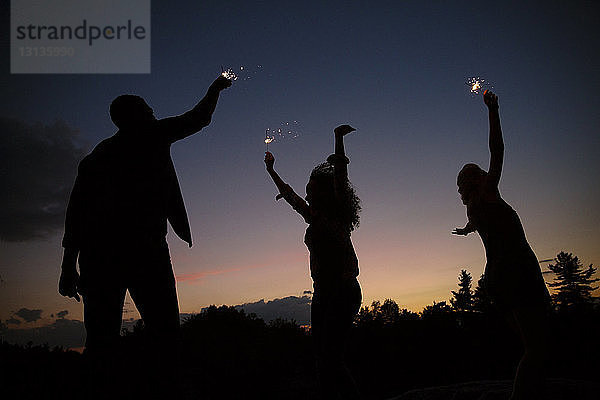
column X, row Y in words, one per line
column 396, row 72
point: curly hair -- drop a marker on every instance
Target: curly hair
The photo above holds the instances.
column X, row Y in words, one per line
column 347, row 210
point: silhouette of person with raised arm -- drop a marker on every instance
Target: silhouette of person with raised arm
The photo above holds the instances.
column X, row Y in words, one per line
column 512, row 275
column 331, row 210
column 116, row 224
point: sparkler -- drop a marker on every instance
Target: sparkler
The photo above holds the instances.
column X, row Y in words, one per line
column 229, row 74
column 286, row 130
column 243, row 73
column 478, row 85
column 268, row 139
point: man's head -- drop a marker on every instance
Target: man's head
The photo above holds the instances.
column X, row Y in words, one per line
column 129, row 111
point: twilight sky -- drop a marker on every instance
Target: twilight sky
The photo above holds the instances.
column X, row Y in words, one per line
column 394, row 70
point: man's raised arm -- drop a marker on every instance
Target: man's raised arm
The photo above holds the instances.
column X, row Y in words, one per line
column 184, row 125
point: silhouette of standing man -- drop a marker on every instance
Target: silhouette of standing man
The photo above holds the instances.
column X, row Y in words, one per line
column 116, row 224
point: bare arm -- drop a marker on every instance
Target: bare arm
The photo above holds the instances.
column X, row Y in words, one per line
column 286, row 191
column 469, row 228
column 339, row 160
column 495, row 141
column 184, row 125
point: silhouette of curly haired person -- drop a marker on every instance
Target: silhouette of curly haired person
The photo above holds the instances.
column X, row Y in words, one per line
column 331, row 210
column 116, row 224
column 512, row 274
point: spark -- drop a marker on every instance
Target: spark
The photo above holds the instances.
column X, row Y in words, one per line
column 286, row 130
column 229, row 74
column 477, row 85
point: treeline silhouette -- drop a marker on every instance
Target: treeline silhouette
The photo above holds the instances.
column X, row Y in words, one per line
column 226, row 353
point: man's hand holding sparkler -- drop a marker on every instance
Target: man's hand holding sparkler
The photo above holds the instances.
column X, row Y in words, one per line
column 491, row 100
column 220, row 83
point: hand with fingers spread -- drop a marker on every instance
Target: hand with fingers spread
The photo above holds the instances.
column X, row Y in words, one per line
column 460, row 231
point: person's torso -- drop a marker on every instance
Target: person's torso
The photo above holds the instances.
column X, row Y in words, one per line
column 332, row 255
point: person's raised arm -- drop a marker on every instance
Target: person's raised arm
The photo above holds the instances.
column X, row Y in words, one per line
column 495, row 141
column 339, row 160
column 184, row 125
column 286, row 191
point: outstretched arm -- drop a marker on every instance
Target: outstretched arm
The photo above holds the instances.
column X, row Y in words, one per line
column 339, row 159
column 286, row 191
column 184, row 125
column 495, row 142
column 464, row 231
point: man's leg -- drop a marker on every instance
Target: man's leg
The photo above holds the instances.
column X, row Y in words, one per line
column 153, row 290
column 103, row 307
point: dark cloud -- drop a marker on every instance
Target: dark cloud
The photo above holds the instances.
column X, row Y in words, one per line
column 29, row 315
column 291, row 307
column 62, row 314
column 62, row 332
column 38, row 164
column 13, row 321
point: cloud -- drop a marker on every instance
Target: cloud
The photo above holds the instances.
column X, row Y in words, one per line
column 13, row 321
column 38, row 164
column 68, row 333
column 29, row 315
column 291, row 307
column 62, row 314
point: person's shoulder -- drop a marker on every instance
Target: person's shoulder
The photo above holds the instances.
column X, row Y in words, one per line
column 100, row 153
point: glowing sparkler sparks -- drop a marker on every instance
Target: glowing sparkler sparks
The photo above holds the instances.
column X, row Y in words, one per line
column 242, row 73
column 229, row 74
column 268, row 139
column 286, row 131
column 478, row 85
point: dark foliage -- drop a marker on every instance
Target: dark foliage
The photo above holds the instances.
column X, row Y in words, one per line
column 462, row 300
column 226, row 353
column 573, row 283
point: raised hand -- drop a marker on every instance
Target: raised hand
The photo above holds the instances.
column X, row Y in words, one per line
column 221, row 83
column 490, row 99
column 343, row 130
column 269, row 160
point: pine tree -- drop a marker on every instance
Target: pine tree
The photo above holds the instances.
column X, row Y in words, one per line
column 573, row 283
column 463, row 299
column 481, row 300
